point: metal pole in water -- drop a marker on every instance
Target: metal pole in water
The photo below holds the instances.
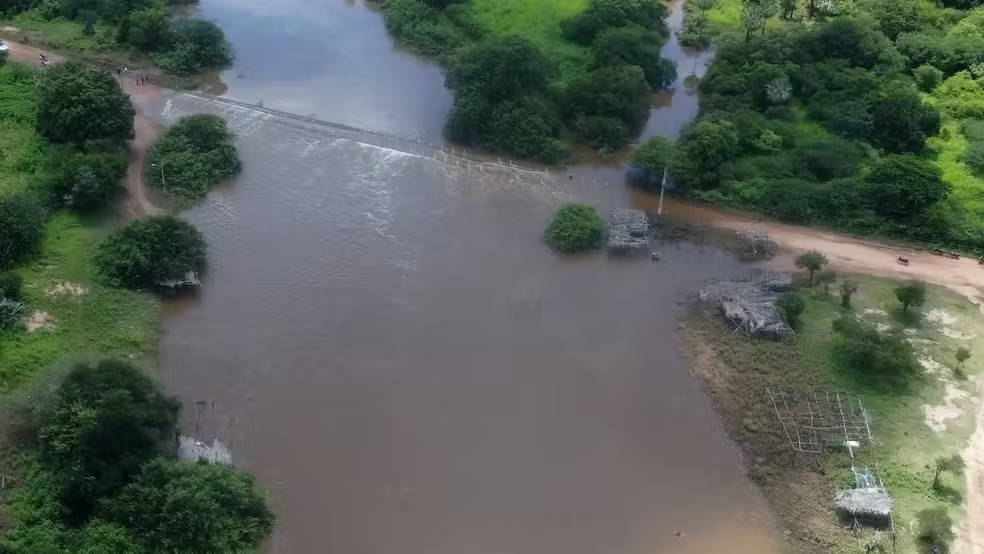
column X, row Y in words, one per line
column 662, row 187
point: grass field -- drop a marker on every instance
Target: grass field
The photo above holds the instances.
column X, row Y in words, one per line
column 83, row 318
column 538, row 21
column 67, row 36
column 736, row 369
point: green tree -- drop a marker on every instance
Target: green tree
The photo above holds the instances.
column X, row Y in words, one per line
column 21, row 228
column 78, row 104
column 10, row 285
column 935, row 530
column 847, row 290
column 825, row 278
column 650, row 159
column 148, row 30
column 973, row 157
column 198, row 45
column 903, row 186
column 192, row 156
column 881, row 357
column 812, row 261
column 962, row 355
column 149, row 251
column 613, row 92
column 106, row 420
column 912, row 293
column 927, row 77
column 606, row 14
column 498, row 69
column 99, row 537
column 86, row 181
column 952, row 464
column 792, row 305
column 634, row 45
column 702, row 152
column 788, row 8
column 575, row 228
column 902, row 122
column 192, row 508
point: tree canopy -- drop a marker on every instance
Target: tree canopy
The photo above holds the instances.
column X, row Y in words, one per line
column 912, row 293
column 151, row 250
column 192, row 508
column 78, row 104
column 197, row 45
column 21, row 227
column 192, row 156
column 575, row 228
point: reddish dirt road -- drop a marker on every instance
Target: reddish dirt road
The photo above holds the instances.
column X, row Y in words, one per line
column 137, row 203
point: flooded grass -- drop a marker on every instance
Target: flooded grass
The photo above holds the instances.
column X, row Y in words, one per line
column 736, row 370
column 82, row 318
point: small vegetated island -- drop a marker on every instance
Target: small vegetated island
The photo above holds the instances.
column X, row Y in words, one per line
column 192, row 155
column 119, row 32
column 89, row 457
column 531, row 77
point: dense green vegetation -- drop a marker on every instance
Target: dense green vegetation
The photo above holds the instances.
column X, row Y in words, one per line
column 865, row 117
column 192, row 155
column 574, row 228
column 526, row 74
column 102, row 477
column 144, row 27
column 897, row 364
column 151, row 250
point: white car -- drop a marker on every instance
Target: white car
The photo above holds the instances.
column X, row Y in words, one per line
column 3, row 47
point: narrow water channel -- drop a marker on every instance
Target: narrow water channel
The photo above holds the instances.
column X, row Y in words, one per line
column 392, row 350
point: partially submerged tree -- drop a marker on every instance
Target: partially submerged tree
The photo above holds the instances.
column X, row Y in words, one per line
column 650, row 160
column 952, row 464
column 149, row 251
column 812, row 261
column 575, row 228
column 912, row 293
column 197, row 45
column 192, row 156
column 198, row 507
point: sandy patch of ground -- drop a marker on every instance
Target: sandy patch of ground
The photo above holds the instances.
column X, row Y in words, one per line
column 65, row 288
column 875, row 311
column 937, row 416
column 931, row 366
column 39, row 321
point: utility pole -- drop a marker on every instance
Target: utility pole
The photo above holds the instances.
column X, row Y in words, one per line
column 662, row 188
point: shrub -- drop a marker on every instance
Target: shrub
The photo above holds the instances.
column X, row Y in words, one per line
column 149, row 251
column 423, row 27
column 105, row 421
column 21, row 228
column 912, row 293
column 935, row 530
column 600, row 15
column 792, row 305
column 650, row 159
column 10, row 285
column 78, row 104
column 87, row 181
column 11, row 313
column 574, row 228
column 974, row 158
column 193, row 155
column 635, row 46
column 198, row 45
column 812, row 261
column 192, row 507
column 880, row 356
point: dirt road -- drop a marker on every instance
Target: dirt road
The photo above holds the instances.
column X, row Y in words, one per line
column 137, row 202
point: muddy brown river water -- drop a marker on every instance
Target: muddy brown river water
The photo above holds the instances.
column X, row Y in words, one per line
column 389, row 346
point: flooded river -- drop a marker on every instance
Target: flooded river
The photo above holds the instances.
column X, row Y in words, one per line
column 392, row 350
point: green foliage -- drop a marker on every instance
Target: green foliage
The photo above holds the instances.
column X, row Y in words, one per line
column 618, row 93
column 904, row 186
column 792, row 304
column 902, row 122
column 703, row 151
column 812, row 261
column 198, row 45
column 149, row 251
column 962, row 355
column 974, row 158
column 499, row 86
column 423, row 26
column 826, row 277
column 78, row 104
column 650, row 159
column 147, row 30
column 86, row 180
column 10, row 285
column 106, row 420
column 192, row 155
column 575, row 228
column 912, row 293
column 187, row 508
column 878, row 357
column 606, row 14
column 935, row 530
column 927, row 77
column 952, row 464
column 99, row 537
column 21, row 227
column 636, row 46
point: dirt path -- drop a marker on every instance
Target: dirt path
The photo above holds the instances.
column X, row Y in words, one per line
column 137, row 202
column 857, row 255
